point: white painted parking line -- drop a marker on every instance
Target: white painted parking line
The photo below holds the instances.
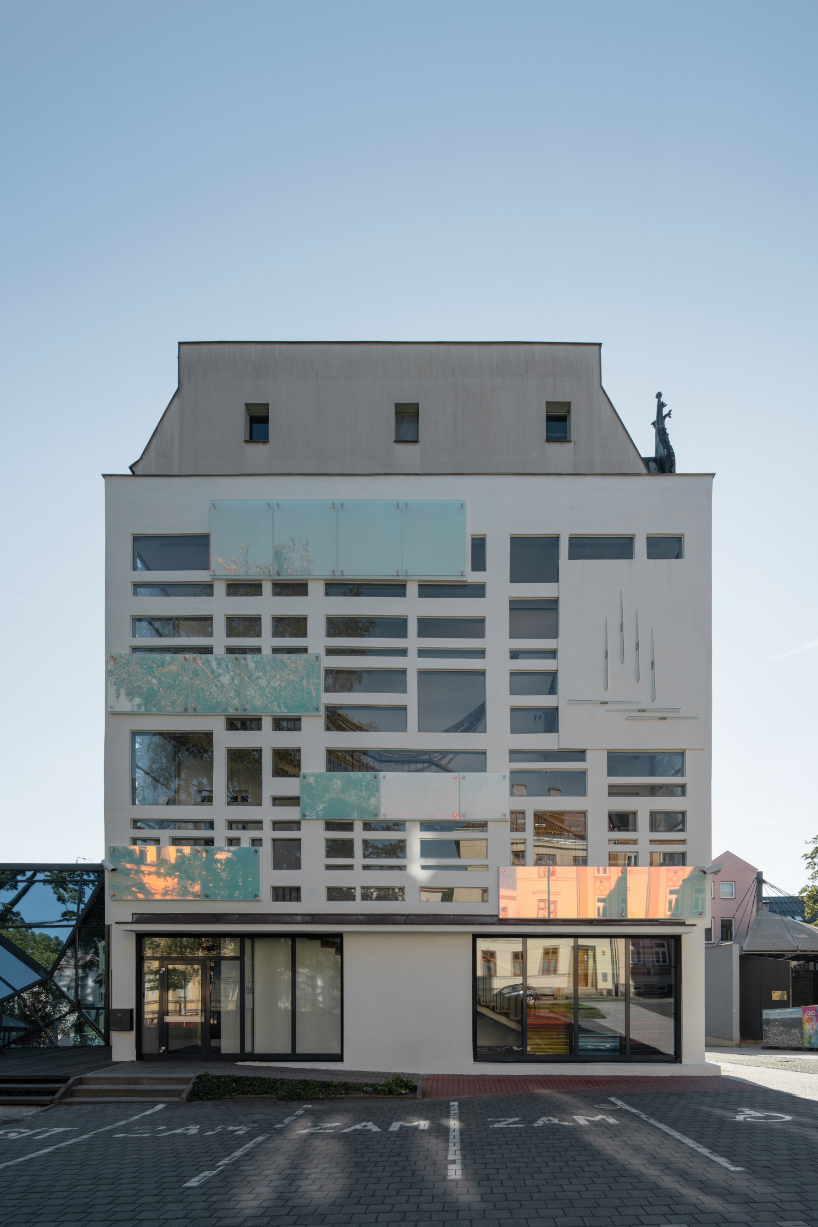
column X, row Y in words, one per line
column 82, row 1137
column 680, row 1137
column 200, row 1179
column 455, row 1171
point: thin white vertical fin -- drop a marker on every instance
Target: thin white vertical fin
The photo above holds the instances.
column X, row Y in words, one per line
column 638, row 674
column 621, row 627
column 606, row 654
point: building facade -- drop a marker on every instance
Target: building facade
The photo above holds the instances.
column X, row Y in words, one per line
column 408, row 716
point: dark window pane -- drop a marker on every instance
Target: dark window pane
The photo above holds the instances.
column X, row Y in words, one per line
column 182, row 842
column 177, row 553
column 172, row 628
column 668, row 859
column 288, row 651
column 383, row 894
column 291, row 825
column 437, row 592
column 478, row 553
column 384, row 826
column 359, row 589
column 341, row 894
column 246, row 825
column 290, row 589
column 556, row 428
column 366, row 628
column 533, row 683
column 165, row 824
column 546, row 756
column 286, row 894
column 668, row 820
column 597, row 548
column 535, row 560
column 287, row 762
column 533, row 654
column 244, row 589
column 407, row 423
column 258, row 428
column 383, row 849
column 201, row 649
column 286, row 854
column 172, row 768
column 647, row 790
column 244, row 772
column 548, row 783
column 173, row 590
column 653, row 1004
column 342, row 849
column 406, row 760
column 451, row 628
column 289, row 627
column 451, row 653
column 665, row 547
column 286, row 724
column 243, row 627
column 451, row 702
column 244, row 650
column 671, row 763
column 533, row 618
column 534, row 720
column 556, row 824
column 622, row 822
column 365, row 681
column 365, row 719
column 456, row 849
column 365, row 651
column 517, row 818
column 337, row 825
column 455, row 828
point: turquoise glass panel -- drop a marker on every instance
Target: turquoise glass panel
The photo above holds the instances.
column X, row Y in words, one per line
column 369, row 538
column 434, row 537
column 484, row 796
column 215, row 684
column 339, row 795
column 149, row 683
column 155, row 873
column 420, row 796
column 231, row 873
column 241, row 537
column 305, row 537
column 281, row 685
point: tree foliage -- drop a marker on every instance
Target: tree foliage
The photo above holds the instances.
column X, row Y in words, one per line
column 809, row 893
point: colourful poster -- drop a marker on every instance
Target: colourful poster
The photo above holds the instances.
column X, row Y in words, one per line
column 810, row 1015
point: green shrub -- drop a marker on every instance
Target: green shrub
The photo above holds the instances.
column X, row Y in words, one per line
column 228, row 1086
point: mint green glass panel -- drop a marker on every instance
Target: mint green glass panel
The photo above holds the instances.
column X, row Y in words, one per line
column 241, row 537
column 305, row 537
column 484, row 796
column 150, row 683
column 339, row 795
column 688, row 898
column 420, row 796
column 434, row 537
column 231, row 873
column 155, row 873
column 215, row 684
column 281, row 685
column 369, row 538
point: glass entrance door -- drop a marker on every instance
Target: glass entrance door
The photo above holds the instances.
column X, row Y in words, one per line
column 182, row 1008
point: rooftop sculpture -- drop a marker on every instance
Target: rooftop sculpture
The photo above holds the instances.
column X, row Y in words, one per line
column 664, row 458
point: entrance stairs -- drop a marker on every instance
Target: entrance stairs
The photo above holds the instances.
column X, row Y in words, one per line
column 126, row 1088
column 31, row 1089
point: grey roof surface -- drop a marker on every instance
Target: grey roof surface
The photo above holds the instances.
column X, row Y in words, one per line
column 774, row 934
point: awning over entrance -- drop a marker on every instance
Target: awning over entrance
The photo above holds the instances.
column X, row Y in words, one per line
column 773, row 934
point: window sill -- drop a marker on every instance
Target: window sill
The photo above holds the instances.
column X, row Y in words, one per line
column 410, row 441
column 255, row 442
column 559, row 440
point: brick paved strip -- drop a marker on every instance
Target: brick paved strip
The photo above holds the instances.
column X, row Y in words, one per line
column 458, row 1086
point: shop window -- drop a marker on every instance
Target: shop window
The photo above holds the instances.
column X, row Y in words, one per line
column 534, row 560
column 451, row 701
column 170, row 768
column 533, row 618
column 172, row 553
column 244, row 776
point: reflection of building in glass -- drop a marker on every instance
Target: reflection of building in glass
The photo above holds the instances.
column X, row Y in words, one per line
column 52, row 956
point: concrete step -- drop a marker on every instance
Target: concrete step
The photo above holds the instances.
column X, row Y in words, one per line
column 130, row 1088
column 179, row 1080
column 141, row 1091
column 31, row 1088
column 41, row 1101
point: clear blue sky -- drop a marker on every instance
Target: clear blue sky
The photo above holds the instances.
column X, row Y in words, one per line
column 638, row 174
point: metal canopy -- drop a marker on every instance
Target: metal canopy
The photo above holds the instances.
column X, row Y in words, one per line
column 774, row 934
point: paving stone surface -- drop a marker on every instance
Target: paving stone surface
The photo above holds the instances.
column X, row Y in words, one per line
column 734, row 1154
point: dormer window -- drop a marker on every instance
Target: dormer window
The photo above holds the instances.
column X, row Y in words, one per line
column 257, row 424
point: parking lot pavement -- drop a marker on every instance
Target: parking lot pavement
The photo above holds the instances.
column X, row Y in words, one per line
column 737, row 1155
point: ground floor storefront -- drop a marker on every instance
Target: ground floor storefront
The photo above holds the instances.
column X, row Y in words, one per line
column 424, row 999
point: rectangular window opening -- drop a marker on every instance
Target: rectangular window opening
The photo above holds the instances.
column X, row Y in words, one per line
column 407, row 423
column 558, row 421
column 478, row 553
column 257, row 423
